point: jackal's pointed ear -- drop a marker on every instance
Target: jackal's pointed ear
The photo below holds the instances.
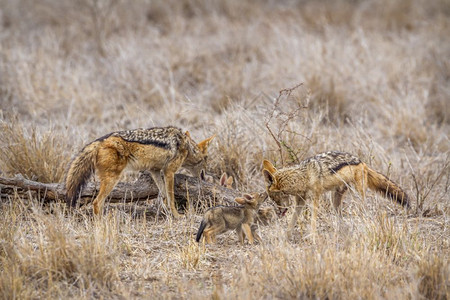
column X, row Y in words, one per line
column 248, row 196
column 230, row 181
column 269, row 178
column 226, row 180
column 240, row 200
column 187, row 134
column 203, row 145
column 268, row 165
column 223, row 179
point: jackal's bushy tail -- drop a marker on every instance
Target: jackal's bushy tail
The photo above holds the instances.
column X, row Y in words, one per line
column 387, row 187
column 81, row 168
column 200, row 230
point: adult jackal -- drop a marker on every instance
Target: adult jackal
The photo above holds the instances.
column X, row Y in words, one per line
column 330, row 171
column 162, row 151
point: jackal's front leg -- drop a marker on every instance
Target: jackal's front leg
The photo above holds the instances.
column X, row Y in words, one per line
column 256, row 236
column 169, row 174
column 169, row 184
column 314, row 216
column 299, row 204
column 248, row 232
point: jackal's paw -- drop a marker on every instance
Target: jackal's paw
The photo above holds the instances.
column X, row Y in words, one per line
column 177, row 215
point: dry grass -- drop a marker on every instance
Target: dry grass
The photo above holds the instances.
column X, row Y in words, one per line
column 376, row 77
column 39, row 156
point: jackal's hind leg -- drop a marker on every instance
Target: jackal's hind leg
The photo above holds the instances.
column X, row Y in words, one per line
column 211, row 233
column 207, row 233
column 110, row 165
column 337, row 199
column 157, row 177
column 361, row 182
column 106, row 186
column 240, row 234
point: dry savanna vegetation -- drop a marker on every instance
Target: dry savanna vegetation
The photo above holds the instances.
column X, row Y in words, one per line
column 375, row 82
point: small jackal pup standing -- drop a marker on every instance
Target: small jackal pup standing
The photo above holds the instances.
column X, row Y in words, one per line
column 160, row 150
column 220, row 219
column 330, row 171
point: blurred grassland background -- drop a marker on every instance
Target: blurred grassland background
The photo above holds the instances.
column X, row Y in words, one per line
column 376, row 83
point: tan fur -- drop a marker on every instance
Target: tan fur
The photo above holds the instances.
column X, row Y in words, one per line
column 265, row 215
column 220, row 219
column 226, row 181
column 331, row 171
column 162, row 151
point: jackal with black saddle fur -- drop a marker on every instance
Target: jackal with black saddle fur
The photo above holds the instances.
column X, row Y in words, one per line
column 160, row 150
column 331, row 171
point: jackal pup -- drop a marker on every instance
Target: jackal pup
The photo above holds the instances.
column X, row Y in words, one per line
column 226, row 181
column 160, row 150
column 220, row 219
column 330, row 171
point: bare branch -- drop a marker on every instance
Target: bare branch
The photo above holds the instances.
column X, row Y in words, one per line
column 284, row 119
column 144, row 188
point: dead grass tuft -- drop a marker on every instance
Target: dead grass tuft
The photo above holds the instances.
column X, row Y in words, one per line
column 54, row 260
column 386, row 236
column 324, row 272
column 433, row 272
column 192, row 255
column 38, row 156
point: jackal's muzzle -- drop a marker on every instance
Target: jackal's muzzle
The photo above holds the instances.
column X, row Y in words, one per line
column 281, row 202
column 282, row 211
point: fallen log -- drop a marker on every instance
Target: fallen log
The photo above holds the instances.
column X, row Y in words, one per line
column 187, row 189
